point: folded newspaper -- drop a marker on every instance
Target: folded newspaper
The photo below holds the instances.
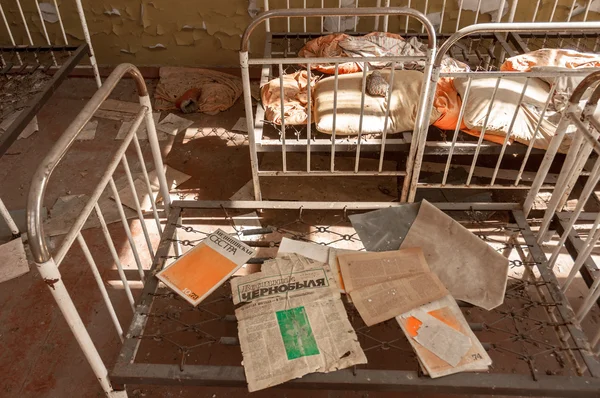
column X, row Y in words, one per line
column 294, row 322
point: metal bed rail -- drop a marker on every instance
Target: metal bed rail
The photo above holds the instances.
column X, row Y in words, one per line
column 12, row 27
column 451, row 158
column 578, row 231
column 448, row 16
column 259, row 143
column 48, row 264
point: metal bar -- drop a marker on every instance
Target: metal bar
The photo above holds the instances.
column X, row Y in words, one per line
column 361, row 117
column 288, row 18
column 516, row 27
column 585, row 194
column 593, row 141
column 282, row 105
column 424, row 12
column 480, row 186
column 365, row 379
column 553, row 10
column 483, row 129
column 267, row 22
column 386, row 17
column 90, row 259
column 44, row 30
column 144, row 100
column 87, row 209
column 140, row 316
column 387, row 115
column 563, row 307
column 88, row 40
column 51, row 275
column 490, row 74
column 115, row 256
column 334, row 117
column 35, row 104
column 336, row 173
column 60, row 21
column 10, row 35
column 573, row 244
column 339, row 60
column 456, row 130
column 309, row 115
column 25, row 25
column 9, row 220
column 589, row 300
column 584, row 254
column 460, row 4
column 407, row 17
column 476, row 16
column 140, row 155
column 292, row 205
column 359, row 12
column 125, row 223
column 442, row 16
column 250, row 123
column 509, row 131
column 535, row 134
column 136, row 201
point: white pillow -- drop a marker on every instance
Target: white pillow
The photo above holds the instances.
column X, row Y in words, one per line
column 403, row 111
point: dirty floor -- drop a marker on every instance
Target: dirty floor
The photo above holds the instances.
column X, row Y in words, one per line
column 39, row 356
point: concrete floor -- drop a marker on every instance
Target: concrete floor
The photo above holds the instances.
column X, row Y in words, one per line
column 38, row 355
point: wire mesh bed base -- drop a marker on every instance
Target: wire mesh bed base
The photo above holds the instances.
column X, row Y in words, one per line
column 536, row 347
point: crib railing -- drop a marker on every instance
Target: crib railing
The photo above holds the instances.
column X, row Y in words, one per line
column 48, row 264
column 576, row 230
column 533, row 183
column 23, row 26
column 305, row 142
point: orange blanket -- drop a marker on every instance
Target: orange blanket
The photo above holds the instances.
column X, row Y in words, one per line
column 295, row 98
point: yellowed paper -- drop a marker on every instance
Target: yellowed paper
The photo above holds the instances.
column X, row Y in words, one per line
column 380, row 302
column 363, row 269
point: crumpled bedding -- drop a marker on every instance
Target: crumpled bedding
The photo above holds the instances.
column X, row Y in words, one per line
column 551, row 57
column 295, row 93
column 375, row 44
column 215, row 91
column 504, row 107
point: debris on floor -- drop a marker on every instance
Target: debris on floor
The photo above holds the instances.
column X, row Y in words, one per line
column 142, row 132
column 293, row 323
column 218, row 257
column 89, row 131
column 240, row 125
column 118, row 110
column 13, row 260
column 196, row 90
column 31, row 128
column 244, row 193
column 173, row 124
column 66, row 209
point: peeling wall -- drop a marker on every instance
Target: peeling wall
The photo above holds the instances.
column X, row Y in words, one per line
column 206, row 32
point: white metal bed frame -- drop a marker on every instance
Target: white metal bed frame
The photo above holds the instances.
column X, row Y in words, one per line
column 20, row 64
column 298, row 139
column 562, row 317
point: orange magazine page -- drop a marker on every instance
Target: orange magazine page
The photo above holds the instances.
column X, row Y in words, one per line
column 476, row 359
column 204, row 268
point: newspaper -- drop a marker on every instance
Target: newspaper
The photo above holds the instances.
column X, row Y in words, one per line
column 298, row 325
column 430, row 353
